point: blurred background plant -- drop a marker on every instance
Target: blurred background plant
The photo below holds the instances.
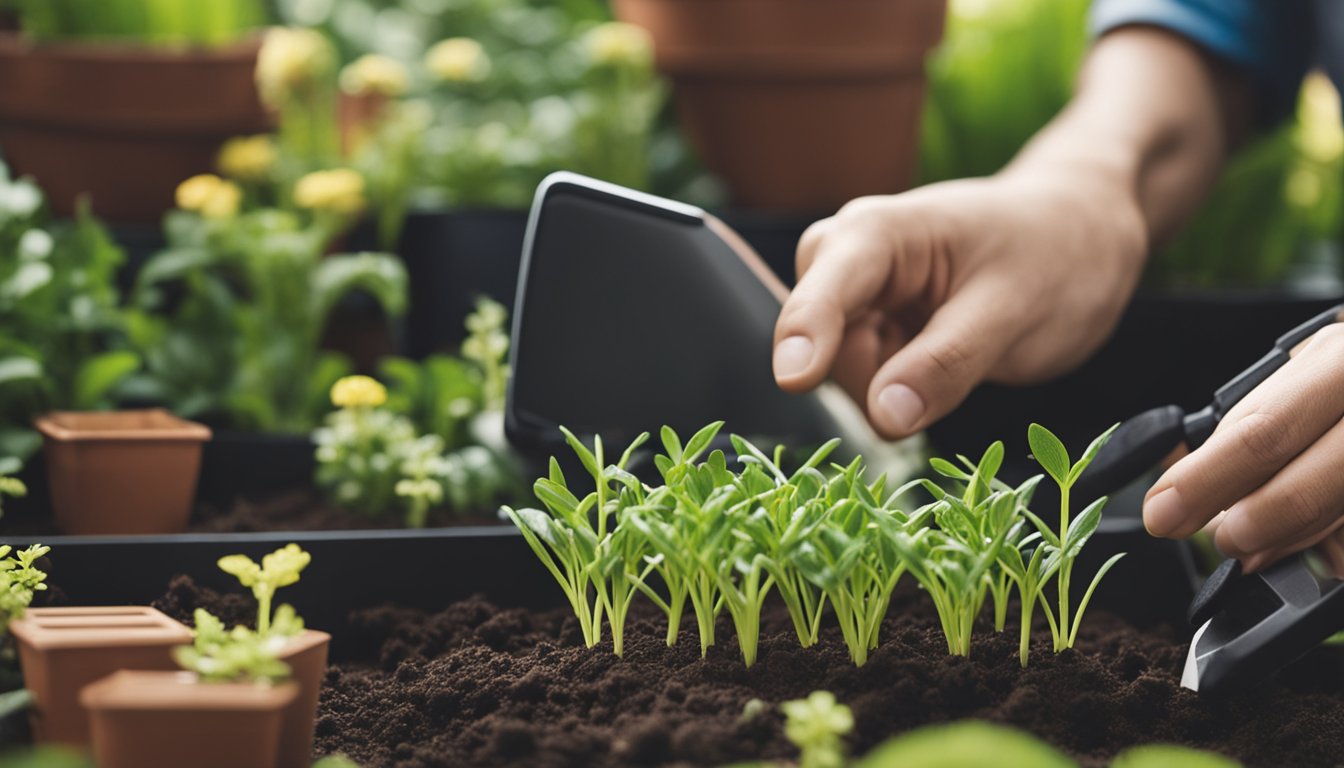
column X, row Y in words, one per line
column 156, row 22
column 230, row 316
column 1006, row 67
column 62, row 338
column 516, row 89
column 433, row 440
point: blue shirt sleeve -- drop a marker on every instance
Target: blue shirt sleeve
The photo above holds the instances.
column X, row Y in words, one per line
column 1271, row 40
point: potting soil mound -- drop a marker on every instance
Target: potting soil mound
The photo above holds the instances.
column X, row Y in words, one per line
column 474, row 685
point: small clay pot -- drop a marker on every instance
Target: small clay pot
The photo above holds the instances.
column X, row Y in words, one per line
column 61, row 650
column 800, row 105
column 122, row 123
column 121, row 472
column 142, row 719
column 306, row 656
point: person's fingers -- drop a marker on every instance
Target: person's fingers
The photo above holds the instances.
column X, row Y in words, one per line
column 846, row 275
column 1329, row 544
column 1261, row 434
column 876, row 250
column 1295, row 508
column 932, row 374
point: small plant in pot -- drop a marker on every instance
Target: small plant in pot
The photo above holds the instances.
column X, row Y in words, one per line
column 302, row 651
column 121, row 99
column 61, row 650
column 227, row 710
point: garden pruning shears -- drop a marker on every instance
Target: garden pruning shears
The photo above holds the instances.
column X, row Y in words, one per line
column 1248, row 625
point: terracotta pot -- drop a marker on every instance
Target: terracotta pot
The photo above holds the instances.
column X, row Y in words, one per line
column 306, row 656
column 123, row 124
column 61, row 650
column 121, row 472
column 799, row 105
column 144, row 719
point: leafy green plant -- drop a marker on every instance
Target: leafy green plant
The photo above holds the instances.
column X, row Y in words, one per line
column 151, row 22
column 20, row 580
column 277, row 569
column 241, row 654
column 230, row 317
column 373, row 461
column 62, row 342
column 1063, row 546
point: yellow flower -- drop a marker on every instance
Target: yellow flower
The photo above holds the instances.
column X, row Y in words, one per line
column 458, row 60
column 616, row 43
column 356, row 391
column 247, row 158
column 374, row 75
column 339, row 190
column 210, row 196
column 291, row 61
column 1319, row 134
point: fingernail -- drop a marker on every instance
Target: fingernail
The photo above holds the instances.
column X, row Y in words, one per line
column 902, row 407
column 1164, row 512
column 792, row 356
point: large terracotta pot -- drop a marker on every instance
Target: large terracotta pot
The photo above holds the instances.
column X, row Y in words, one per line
column 800, row 105
column 61, row 650
column 123, row 124
column 121, row 472
column 143, row 719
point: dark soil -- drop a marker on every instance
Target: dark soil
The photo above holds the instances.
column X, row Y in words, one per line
column 475, row 685
column 298, row 510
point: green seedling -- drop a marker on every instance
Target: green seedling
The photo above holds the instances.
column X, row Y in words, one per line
column 1062, row 547
column 599, row 566
column 278, row 569
column 685, row 524
column 222, row 655
column 817, row 726
column 20, row 580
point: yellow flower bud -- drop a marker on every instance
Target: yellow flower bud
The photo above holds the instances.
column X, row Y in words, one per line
column 374, row 75
column 616, row 43
column 210, row 196
column 247, row 158
column 339, row 190
column 458, row 60
column 357, row 391
column 291, row 60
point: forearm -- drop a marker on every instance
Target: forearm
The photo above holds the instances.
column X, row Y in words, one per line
column 1150, row 126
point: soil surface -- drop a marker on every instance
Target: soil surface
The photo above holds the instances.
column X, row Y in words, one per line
column 298, row 510
column 475, row 685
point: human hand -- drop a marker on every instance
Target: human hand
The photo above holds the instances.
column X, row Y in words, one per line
column 1271, row 478
column 909, row 301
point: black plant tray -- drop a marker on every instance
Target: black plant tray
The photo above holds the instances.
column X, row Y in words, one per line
column 431, row 568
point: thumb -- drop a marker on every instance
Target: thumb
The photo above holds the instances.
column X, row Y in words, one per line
column 929, row 377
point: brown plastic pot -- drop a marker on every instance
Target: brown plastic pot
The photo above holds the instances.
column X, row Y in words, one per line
column 143, row 719
column 123, row 124
column 121, row 472
column 800, row 105
column 306, row 656
column 61, row 650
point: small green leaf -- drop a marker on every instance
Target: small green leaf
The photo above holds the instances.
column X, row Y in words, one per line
column 1091, row 453
column 1050, row 453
